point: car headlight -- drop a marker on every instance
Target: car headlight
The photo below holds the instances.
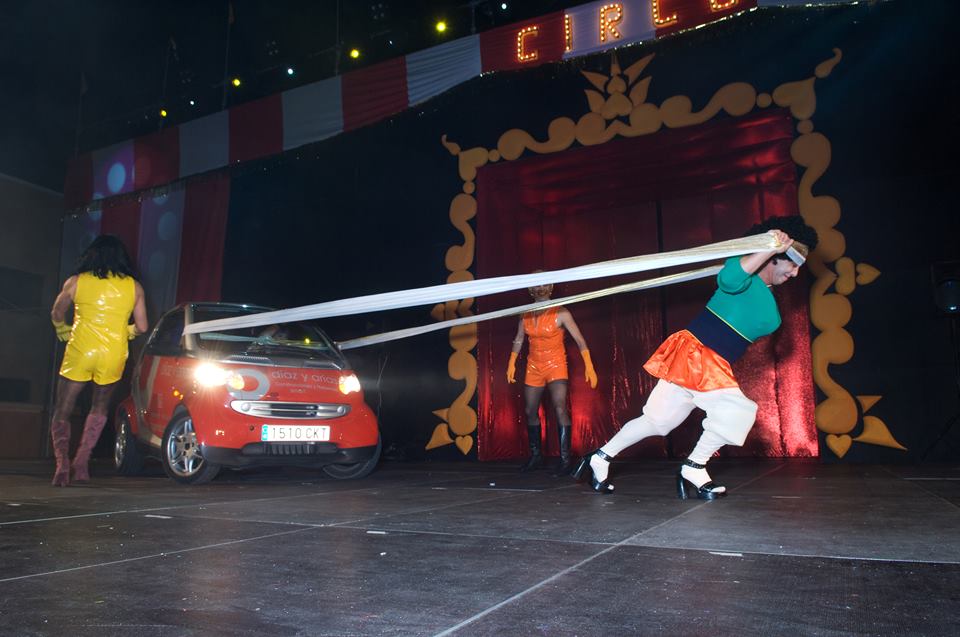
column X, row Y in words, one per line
column 349, row 383
column 212, row 376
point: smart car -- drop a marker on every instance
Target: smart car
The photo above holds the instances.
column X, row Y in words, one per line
column 277, row 395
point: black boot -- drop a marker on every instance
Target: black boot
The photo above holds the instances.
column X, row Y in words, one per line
column 565, row 464
column 536, row 458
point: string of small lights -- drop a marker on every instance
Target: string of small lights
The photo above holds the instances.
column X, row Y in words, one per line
column 267, row 163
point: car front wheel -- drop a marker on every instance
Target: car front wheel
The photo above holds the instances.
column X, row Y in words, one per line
column 181, row 456
column 126, row 456
column 356, row 470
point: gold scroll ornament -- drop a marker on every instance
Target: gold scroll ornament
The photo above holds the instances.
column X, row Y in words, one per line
column 618, row 108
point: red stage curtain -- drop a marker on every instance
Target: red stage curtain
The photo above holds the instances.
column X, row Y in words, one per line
column 676, row 189
column 201, row 244
column 121, row 218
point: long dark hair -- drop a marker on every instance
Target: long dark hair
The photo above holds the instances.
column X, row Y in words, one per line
column 105, row 256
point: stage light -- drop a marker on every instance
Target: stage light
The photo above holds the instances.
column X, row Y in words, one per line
column 290, row 70
column 946, row 285
column 503, row 6
column 441, row 26
column 193, row 103
column 236, row 81
column 354, row 53
column 116, row 177
column 163, row 112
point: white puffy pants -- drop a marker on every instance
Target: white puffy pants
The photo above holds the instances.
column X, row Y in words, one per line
column 730, row 416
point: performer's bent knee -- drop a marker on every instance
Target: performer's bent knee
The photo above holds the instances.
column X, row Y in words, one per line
column 732, row 419
column 661, row 426
column 667, row 407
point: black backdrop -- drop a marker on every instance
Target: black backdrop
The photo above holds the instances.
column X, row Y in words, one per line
column 367, row 211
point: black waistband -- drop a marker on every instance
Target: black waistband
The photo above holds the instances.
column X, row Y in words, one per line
column 718, row 336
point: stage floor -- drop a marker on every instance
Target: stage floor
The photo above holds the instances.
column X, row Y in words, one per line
column 798, row 548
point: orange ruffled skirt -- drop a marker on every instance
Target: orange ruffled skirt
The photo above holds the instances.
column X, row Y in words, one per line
column 683, row 360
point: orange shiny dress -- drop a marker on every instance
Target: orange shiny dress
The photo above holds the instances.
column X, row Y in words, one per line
column 546, row 357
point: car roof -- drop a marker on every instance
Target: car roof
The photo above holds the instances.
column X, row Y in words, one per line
column 211, row 305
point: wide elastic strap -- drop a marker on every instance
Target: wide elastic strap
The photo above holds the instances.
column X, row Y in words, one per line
column 482, row 287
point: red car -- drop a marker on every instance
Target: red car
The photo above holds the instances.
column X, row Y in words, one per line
column 279, row 395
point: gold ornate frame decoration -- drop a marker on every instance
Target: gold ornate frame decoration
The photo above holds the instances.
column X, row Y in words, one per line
column 618, row 107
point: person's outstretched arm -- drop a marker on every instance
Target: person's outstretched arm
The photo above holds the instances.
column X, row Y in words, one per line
column 58, row 314
column 139, row 312
column 515, row 351
column 566, row 321
column 64, row 300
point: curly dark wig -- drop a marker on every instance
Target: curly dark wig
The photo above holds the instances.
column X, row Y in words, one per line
column 105, row 256
column 793, row 225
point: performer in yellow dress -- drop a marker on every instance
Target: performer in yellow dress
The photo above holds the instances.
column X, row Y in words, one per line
column 547, row 369
column 104, row 294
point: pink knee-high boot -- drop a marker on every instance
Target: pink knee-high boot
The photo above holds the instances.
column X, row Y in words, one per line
column 60, row 433
column 92, row 427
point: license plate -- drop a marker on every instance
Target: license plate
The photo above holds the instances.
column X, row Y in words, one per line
column 294, row 433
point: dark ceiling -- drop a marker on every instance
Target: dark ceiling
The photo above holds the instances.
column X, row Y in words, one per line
column 136, row 57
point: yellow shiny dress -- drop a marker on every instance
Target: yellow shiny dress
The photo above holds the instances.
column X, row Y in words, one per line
column 97, row 348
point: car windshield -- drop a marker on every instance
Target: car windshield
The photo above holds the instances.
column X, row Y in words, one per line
column 298, row 338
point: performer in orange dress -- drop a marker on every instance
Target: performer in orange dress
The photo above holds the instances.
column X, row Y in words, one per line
column 103, row 294
column 694, row 365
column 547, row 369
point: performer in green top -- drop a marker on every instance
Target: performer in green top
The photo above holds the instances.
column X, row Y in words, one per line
column 693, row 365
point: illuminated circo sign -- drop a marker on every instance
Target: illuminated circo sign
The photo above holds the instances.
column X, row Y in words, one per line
column 610, row 18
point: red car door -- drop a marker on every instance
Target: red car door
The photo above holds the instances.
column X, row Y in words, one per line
column 158, row 381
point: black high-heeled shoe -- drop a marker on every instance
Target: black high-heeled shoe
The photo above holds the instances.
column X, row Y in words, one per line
column 707, row 491
column 600, row 487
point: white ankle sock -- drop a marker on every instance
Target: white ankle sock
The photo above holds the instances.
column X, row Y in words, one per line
column 708, row 444
column 699, row 477
column 600, row 467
